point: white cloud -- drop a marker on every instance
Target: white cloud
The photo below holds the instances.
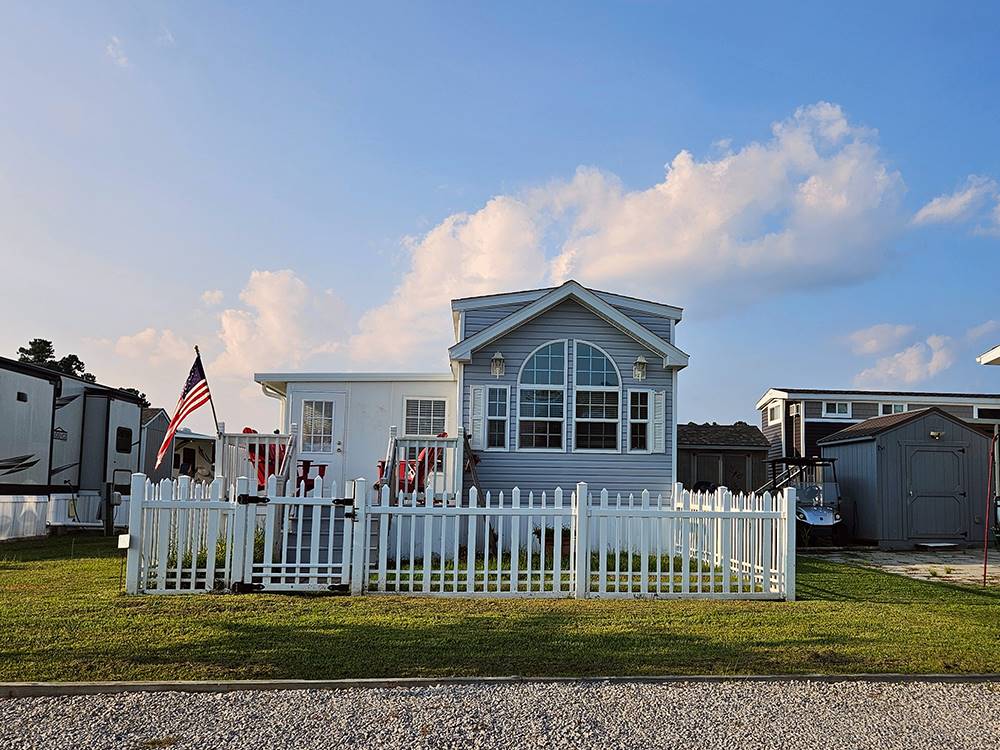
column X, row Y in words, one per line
column 817, row 197
column 878, row 338
column 283, row 324
column 961, row 205
column 983, row 329
column 912, row 365
column 155, row 347
column 212, row 297
column 114, row 50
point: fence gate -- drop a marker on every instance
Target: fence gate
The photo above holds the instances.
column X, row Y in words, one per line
column 302, row 542
column 186, row 538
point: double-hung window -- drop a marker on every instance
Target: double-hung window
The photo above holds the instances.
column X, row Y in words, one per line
column 597, row 400
column 837, row 409
column 638, row 422
column 317, row 426
column 497, row 406
column 541, row 397
column 424, row 417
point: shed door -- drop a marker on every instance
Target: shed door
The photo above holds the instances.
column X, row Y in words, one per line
column 937, row 504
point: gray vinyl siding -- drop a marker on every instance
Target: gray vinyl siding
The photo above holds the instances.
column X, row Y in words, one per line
column 484, row 317
column 477, row 320
column 537, row 471
column 814, row 409
column 864, row 409
column 861, row 503
column 962, row 412
column 659, row 325
column 773, row 435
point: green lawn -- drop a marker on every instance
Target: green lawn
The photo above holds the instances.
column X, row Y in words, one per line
column 62, row 618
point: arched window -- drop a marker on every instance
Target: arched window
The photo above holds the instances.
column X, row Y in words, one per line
column 541, row 387
column 597, row 400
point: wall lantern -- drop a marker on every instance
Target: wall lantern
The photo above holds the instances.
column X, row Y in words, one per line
column 497, row 366
column 937, row 434
column 639, row 368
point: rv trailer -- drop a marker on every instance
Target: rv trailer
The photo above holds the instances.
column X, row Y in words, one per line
column 64, row 445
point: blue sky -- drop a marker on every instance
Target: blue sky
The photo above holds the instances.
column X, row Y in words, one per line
column 289, row 185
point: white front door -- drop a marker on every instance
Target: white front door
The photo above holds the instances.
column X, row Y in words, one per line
column 321, row 418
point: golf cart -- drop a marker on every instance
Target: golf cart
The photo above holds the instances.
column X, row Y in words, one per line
column 817, row 492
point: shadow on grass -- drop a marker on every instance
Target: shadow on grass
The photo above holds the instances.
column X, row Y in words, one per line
column 546, row 644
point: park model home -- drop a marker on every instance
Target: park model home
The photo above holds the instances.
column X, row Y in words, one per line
column 551, row 386
column 794, row 420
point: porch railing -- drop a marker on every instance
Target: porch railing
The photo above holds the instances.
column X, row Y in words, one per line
column 430, row 466
column 255, row 455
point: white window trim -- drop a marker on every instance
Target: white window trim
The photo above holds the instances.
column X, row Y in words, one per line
column 975, row 413
column 423, row 398
column 906, row 407
column 302, row 421
column 487, row 418
column 772, row 405
column 533, row 387
column 850, row 410
column 598, row 388
column 649, row 421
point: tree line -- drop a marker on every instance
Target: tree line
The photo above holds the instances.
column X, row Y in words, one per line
column 42, row 353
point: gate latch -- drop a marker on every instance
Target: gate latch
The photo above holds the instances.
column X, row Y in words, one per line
column 252, row 500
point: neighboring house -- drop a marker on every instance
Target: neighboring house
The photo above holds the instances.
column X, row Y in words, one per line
column 553, row 387
column 912, row 478
column 729, row 455
column 794, row 420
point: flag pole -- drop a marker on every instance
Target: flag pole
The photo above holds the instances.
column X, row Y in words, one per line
column 211, row 400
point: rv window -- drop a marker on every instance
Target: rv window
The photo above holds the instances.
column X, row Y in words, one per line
column 22, row 396
column 123, row 440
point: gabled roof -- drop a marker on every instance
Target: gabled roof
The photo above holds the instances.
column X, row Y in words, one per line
column 151, row 413
column 848, row 394
column 737, row 435
column 672, row 356
column 868, row 429
column 530, row 295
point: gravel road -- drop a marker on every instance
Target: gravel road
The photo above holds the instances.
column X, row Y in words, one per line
column 804, row 714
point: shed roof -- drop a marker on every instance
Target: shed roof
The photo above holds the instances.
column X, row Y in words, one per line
column 150, row 413
column 737, row 435
column 877, row 425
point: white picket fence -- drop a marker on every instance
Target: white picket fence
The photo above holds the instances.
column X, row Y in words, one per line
column 560, row 544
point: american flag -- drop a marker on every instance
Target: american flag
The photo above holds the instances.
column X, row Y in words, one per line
column 194, row 395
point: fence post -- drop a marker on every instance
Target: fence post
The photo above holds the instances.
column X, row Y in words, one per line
column 135, row 530
column 790, row 544
column 582, row 552
column 238, row 570
column 359, row 555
